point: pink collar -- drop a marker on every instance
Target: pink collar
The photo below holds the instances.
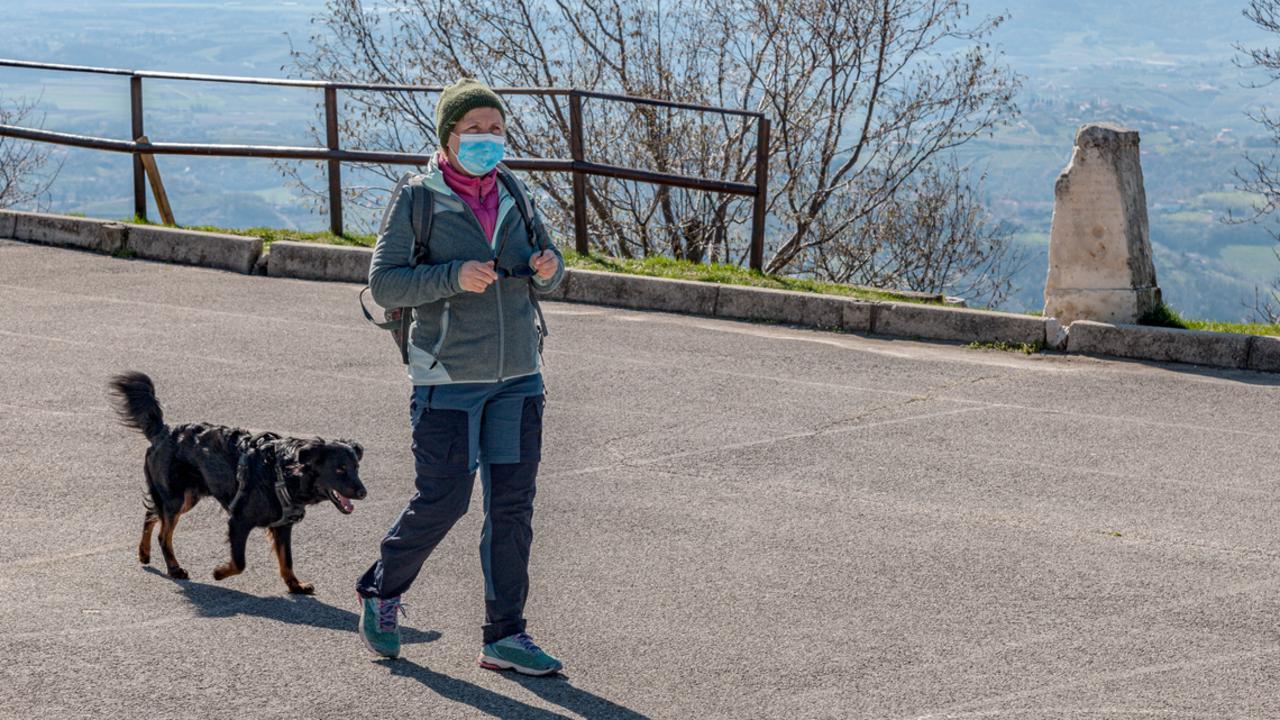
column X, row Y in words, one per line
column 466, row 185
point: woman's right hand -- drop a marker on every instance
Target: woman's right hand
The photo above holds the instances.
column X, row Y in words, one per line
column 475, row 276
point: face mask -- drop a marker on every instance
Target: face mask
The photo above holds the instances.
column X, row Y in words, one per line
column 478, row 153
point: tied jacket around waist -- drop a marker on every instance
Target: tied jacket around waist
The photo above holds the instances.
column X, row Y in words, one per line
column 456, row 335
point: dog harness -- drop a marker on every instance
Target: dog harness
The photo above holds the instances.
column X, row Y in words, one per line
column 290, row 512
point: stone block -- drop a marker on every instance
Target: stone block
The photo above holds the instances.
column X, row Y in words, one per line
column 1139, row 342
column 1100, row 264
column 642, row 293
column 935, row 322
column 1264, row 353
column 192, row 247
column 796, row 308
column 312, row 261
column 66, row 231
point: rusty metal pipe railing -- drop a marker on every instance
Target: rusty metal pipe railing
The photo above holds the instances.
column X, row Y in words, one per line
column 335, row 155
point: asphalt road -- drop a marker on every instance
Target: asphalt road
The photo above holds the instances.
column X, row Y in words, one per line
column 733, row 521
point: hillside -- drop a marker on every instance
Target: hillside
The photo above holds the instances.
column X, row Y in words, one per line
column 1161, row 66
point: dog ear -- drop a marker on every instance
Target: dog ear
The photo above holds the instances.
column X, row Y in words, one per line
column 309, row 451
column 356, row 447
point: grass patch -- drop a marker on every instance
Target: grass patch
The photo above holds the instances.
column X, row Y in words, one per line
column 1165, row 316
column 666, row 267
column 270, row 235
column 1238, row 328
column 1024, row 348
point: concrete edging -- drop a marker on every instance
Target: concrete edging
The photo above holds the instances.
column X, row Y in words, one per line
column 66, row 231
column 1141, row 342
column 957, row 324
column 188, row 247
column 1264, row 353
column 638, row 292
column 767, row 304
column 8, row 220
column 193, row 247
column 310, row 261
column 314, row 261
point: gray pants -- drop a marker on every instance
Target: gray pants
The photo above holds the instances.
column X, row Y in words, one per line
column 497, row 427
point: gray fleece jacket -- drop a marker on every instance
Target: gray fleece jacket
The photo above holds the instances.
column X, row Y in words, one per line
column 456, row 335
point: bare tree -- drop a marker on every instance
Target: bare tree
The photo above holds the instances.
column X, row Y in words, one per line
column 26, row 171
column 1261, row 173
column 933, row 235
column 867, row 97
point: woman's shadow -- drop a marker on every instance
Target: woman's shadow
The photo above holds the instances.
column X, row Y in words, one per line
column 554, row 689
column 217, row 601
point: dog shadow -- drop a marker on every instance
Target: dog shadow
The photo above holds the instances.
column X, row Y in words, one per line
column 554, row 689
column 219, row 601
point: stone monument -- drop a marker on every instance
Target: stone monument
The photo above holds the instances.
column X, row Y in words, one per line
column 1099, row 250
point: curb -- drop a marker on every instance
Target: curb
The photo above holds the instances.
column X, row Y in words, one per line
column 1264, row 353
column 193, row 247
column 188, row 247
column 312, row 261
column 649, row 293
column 767, row 304
column 962, row 325
column 308, row 261
column 1140, row 342
column 65, row 231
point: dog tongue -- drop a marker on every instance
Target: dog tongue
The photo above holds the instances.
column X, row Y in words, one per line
column 344, row 502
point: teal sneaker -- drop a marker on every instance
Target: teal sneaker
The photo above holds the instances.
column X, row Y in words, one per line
column 380, row 626
column 518, row 652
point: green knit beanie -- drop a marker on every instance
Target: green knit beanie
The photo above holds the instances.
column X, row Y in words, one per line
column 460, row 98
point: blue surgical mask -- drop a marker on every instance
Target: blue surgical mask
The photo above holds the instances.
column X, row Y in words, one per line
column 478, row 153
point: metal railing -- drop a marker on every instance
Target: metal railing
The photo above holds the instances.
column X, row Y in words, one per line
column 335, row 155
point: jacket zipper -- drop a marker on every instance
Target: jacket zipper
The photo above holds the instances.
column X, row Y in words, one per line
column 502, row 333
column 444, row 332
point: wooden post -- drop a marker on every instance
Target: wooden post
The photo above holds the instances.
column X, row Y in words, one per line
column 135, row 113
column 579, row 178
column 335, row 166
column 157, row 185
column 761, row 204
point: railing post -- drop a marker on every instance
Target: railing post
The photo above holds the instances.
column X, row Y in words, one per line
column 135, row 113
column 335, row 166
column 579, row 178
column 762, row 194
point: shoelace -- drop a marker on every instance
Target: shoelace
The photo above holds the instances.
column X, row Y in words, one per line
column 527, row 643
column 387, row 609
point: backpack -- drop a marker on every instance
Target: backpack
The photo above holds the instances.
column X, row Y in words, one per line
column 421, row 215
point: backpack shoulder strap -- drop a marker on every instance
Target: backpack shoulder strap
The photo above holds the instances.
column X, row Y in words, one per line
column 422, row 216
column 525, row 206
column 523, row 203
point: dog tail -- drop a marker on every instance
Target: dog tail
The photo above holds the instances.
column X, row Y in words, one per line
column 134, row 398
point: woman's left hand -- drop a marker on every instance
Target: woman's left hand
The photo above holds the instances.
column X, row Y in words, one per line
column 545, row 264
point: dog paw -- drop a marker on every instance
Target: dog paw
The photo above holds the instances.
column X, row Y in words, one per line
column 178, row 573
column 144, row 558
column 302, row 588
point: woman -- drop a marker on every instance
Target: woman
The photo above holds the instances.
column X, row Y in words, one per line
column 474, row 358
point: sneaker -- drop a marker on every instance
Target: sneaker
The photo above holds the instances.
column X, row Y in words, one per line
column 380, row 626
column 518, row 652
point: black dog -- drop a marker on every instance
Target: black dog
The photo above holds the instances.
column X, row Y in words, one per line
column 261, row 479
